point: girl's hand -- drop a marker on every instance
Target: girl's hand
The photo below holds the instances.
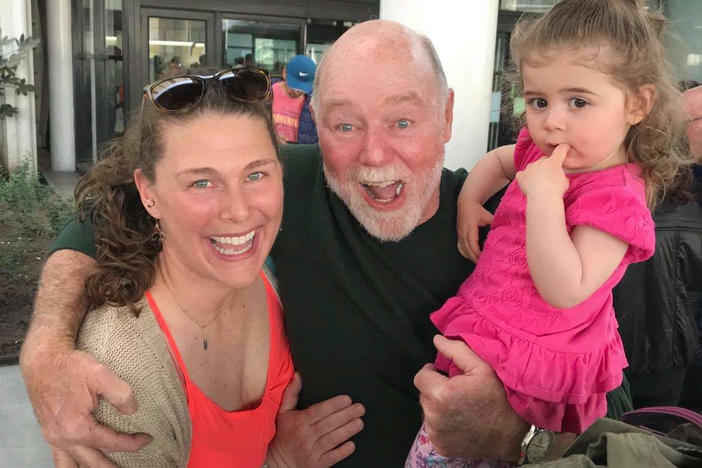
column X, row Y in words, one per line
column 471, row 215
column 545, row 177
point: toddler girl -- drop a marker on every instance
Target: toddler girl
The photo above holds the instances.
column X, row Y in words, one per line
column 603, row 140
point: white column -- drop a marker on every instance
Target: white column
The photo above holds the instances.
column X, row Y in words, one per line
column 19, row 130
column 61, row 112
column 463, row 33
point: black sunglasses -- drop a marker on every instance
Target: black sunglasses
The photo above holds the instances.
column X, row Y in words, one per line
column 182, row 93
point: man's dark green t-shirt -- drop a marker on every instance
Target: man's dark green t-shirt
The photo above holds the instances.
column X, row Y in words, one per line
column 356, row 309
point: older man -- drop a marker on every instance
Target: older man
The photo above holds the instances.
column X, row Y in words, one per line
column 367, row 250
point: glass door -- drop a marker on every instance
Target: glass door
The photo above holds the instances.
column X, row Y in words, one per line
column 99, row 76
column 175, row 42
column 265, row 43
column 110, row 72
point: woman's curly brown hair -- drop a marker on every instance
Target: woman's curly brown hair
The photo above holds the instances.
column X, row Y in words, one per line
column 125, row 234
column 634, row 39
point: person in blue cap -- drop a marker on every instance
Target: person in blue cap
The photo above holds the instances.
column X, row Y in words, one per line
column 291, row 116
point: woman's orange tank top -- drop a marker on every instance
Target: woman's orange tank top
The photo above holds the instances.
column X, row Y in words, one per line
column 236, row 438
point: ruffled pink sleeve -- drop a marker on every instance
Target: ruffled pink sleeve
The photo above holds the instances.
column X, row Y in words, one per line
column 619, row 211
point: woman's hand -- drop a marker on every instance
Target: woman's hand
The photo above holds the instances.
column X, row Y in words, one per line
column 471, row 215
column 545, row 177
column 316, row 437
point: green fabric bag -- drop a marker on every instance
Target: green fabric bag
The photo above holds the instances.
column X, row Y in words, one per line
column 610, row 443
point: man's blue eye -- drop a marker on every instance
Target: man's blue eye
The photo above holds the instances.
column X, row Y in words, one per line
column 255, row 176
column 346, row 127
column 201, row 183
column 403, row 123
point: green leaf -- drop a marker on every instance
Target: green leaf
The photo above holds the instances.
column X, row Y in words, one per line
column 7, row 110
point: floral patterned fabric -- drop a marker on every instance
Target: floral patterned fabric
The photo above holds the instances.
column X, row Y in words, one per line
column 424, row 455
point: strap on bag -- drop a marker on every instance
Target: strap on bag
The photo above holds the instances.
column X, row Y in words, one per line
column 662, row 419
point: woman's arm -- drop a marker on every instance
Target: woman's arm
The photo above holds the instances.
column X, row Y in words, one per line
column 490, row 175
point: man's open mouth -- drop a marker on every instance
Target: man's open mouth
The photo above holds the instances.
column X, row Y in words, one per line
column 384, row 192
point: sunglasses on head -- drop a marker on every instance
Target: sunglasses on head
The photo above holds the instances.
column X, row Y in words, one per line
column 181, row 93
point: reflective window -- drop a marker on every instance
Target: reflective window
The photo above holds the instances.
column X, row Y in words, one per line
column 114, row 84
column 267, row 45
column 315, row 51
column 321, row 34
column 175, row 45
column 538, row 6
column 527, row 5
column 86, row 145
column 685, row 49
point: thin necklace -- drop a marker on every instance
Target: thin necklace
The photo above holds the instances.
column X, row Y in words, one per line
column 185, row 312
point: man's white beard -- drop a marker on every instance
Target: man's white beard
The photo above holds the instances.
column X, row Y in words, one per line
column 387, row 225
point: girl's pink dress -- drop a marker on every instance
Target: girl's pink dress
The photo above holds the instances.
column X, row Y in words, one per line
column 556, row 364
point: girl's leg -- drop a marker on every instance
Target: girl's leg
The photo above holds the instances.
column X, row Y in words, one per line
column 424, row 455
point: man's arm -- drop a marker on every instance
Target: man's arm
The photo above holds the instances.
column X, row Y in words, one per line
column 468, row 416
column 64, row 384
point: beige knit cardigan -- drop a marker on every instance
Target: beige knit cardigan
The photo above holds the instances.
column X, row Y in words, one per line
column 136, row 350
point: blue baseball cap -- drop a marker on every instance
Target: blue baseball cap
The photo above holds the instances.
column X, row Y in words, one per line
column 300, row 73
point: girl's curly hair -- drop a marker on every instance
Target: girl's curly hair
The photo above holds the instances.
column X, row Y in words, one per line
column 126, row 237
column 633, row 38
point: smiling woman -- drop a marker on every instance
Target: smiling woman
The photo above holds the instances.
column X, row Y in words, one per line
column 185, row 208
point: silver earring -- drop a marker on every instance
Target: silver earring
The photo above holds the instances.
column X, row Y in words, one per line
column 150, row 203
column 158, row 233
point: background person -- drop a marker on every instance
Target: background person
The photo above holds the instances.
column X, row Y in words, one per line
column 658, row 302
column 692, row 393
column 291, row 99
column 367, row 249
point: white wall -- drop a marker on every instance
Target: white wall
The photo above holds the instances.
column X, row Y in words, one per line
column 463, row 33
column 61, row 113
column 19, row 131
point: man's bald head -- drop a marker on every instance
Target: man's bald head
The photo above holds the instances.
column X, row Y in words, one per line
column 379, row 40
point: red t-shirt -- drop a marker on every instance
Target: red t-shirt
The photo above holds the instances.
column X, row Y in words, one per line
column 286, row 112
column 236, row 438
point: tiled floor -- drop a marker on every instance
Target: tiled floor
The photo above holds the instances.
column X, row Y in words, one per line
column 21, row 443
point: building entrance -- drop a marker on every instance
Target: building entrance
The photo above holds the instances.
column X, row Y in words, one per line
column 122, row 45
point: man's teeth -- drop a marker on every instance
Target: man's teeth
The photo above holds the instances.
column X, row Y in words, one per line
column 398, row 190
column 241, row 244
